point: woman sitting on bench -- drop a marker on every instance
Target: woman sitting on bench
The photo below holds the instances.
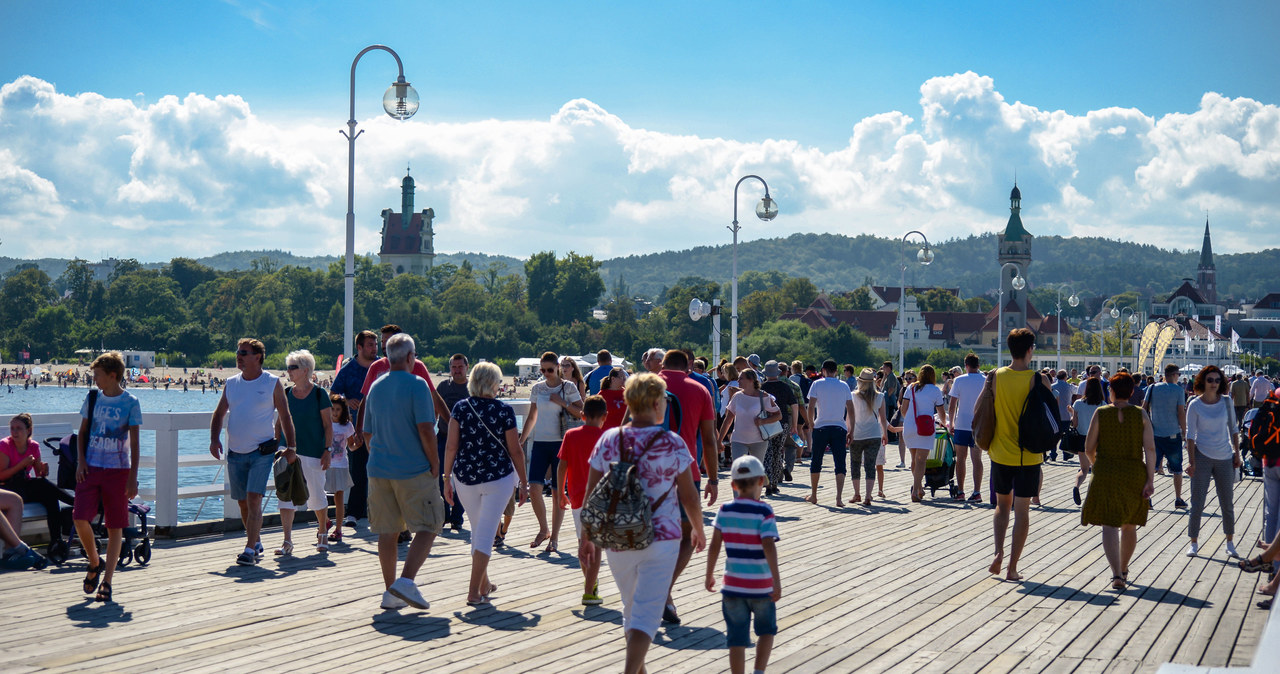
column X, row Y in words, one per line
column 22, row 472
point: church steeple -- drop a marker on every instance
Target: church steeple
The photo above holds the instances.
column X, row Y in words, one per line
column 406, row 200
column 1206, row 274
column 1013, row 245
column 1014, row 231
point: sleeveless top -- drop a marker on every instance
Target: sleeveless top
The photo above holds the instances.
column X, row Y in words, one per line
column 250, row 412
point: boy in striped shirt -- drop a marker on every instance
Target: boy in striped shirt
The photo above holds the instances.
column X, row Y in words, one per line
column 747, row 529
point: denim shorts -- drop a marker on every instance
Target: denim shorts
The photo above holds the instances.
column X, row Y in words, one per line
column 247, row 473
column 737, row 618
column 962, row 438
column 543, row 456
column 1170, row 449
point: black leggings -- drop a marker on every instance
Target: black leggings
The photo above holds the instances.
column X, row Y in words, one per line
column 358, row 503
column 44, row 492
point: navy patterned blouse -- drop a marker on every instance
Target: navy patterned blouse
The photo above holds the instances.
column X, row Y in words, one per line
column 482, row 449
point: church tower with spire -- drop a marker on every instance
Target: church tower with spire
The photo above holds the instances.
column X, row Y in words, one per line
column 408, row 239
column 1206, row 281
column 1014, row 245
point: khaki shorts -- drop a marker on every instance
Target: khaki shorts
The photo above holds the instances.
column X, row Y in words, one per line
column 413, row 503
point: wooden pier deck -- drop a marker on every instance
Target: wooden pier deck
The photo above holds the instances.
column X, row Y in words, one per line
column 900, row 588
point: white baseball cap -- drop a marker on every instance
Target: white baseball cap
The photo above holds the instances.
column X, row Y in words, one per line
column 746, row 467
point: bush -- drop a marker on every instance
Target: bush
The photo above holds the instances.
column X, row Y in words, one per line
column 507, row 365
column 221, row 359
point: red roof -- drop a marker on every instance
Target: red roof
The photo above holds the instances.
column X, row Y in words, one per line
column 890, row 294
column 398, row 240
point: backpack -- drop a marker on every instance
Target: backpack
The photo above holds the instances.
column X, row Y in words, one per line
column 616, row 514
column 1264, row 432
column 1038, row 425
column 674, row 416
column 69, row 450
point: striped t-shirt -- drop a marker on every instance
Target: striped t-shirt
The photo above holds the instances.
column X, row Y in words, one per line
column 743, row 523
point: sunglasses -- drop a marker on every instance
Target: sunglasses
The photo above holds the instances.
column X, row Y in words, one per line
column 1212, row 380
column 246, row 352
column 291, row 368
column 548, row 369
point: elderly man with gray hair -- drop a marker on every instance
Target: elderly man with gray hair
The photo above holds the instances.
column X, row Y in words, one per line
column 652, row 360
column 404, row 491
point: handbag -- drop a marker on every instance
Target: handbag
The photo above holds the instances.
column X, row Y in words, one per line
column 567, row 421
column 924, row 422
column 984, row 413
column 772, row 429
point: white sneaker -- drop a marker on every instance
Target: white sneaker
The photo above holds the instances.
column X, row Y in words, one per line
column 1231, row 550
column 1192, row 550
column 902, row 465
column 390, row 602
column 408, row 591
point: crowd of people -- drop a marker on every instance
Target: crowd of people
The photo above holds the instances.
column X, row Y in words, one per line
column 414, row 456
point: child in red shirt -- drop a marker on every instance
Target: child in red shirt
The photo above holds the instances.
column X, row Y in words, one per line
column 575, row 453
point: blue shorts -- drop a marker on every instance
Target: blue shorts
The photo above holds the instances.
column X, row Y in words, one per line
column 1170, row 449
column 247, row 473
column 544, row 456
column 962, row 438
column 737, row 618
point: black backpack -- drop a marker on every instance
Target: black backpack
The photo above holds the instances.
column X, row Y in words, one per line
column 1038, row 426
column 1264, row 431
column 69, row 449
column 674, row 416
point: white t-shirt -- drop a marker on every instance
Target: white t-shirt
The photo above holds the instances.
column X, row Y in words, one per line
column 547, row 428
column 929, row 398
column 251, row 410
column 866, row 422
column 1259, row 389
column 1211, row 427
column 965, row 390
column 745, row 409
column 831, row 395
column 338, row 451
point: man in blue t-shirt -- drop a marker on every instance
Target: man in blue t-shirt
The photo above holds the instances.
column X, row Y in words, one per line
column 404, row 467
column 604, row 365
column 1166, row 403
column 347, row 383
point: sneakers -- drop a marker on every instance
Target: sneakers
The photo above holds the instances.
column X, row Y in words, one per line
column 590, row 599
column 901, row 465
column 390, row 602
column 407, row 590
column 976, row 497
column 1231, row 550
column 23, row 557
column 247, row 558
column 349, row 522
column 1180, row 504
column 1192, row 550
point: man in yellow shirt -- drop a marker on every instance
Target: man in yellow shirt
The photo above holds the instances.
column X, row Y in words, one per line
column 1015, row 472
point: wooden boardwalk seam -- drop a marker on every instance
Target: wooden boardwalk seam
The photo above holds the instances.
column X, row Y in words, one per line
column 900, row 588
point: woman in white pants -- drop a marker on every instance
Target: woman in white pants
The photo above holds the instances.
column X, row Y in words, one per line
column 312, row 413
column 483, row 463
column 663, row 462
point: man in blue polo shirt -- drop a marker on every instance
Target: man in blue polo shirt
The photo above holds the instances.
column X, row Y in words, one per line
column 604, row 365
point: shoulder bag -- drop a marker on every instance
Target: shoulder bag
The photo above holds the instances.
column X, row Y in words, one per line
column 924, row 422
column 984, row 413
column 772, row 429
column 567, row 421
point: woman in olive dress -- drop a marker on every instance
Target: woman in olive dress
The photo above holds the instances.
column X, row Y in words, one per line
column 1121, row 447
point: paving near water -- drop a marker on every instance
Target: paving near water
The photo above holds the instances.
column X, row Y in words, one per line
column 901, row 588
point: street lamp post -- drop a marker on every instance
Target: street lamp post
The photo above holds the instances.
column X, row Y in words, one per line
column 401, row 102
column 1102, row 335
column 1074, row 301
column 766, row 210
column 1018, row 283
column 925, row 257
column 1132, row 319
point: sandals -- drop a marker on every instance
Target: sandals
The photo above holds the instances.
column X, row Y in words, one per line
column 551, row 547
column 336, row 536
column 1117, row 583
column 542, row 536
column 482, row 601
column 1247, row 565
column 285, row 549
column 104, row 593
column 322, row 542
column 92, row 578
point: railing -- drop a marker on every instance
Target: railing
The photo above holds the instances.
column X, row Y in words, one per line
column 168, row 461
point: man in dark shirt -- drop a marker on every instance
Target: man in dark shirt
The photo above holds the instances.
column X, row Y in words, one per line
column 347, row 383
column 452, row 390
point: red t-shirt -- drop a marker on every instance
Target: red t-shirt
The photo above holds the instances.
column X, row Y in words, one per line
column 617, row 405
column 575, row 452
column 381, row 366
column 695, row 407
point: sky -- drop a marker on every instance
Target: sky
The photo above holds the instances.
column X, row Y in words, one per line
column 152, row 130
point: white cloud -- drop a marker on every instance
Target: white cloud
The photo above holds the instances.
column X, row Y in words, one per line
column 199, row 174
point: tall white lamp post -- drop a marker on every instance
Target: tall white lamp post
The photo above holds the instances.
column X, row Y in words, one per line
column 1074, row 301
column 766, row 210
column 1132, row 320
column 1102, row 335
column 1018, row 283
column 401, row 102
column 925, row 257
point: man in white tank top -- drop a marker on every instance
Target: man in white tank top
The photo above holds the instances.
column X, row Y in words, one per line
column 250, row 402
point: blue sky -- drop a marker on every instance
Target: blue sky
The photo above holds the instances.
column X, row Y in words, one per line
column 729, row 86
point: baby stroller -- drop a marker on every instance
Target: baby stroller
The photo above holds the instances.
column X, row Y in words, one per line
column 940, row 465
column 136, row 545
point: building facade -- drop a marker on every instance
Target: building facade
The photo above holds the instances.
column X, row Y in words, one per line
column 408, row 239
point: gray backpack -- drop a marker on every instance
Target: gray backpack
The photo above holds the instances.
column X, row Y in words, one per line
column 617, row 514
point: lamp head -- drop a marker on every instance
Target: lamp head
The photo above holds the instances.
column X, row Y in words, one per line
column 1019, row 282
column 767, row 209
column 1133, row 319
column 1074, row 300
column 400, row 100
column 1115, row 313
column 925, row 255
